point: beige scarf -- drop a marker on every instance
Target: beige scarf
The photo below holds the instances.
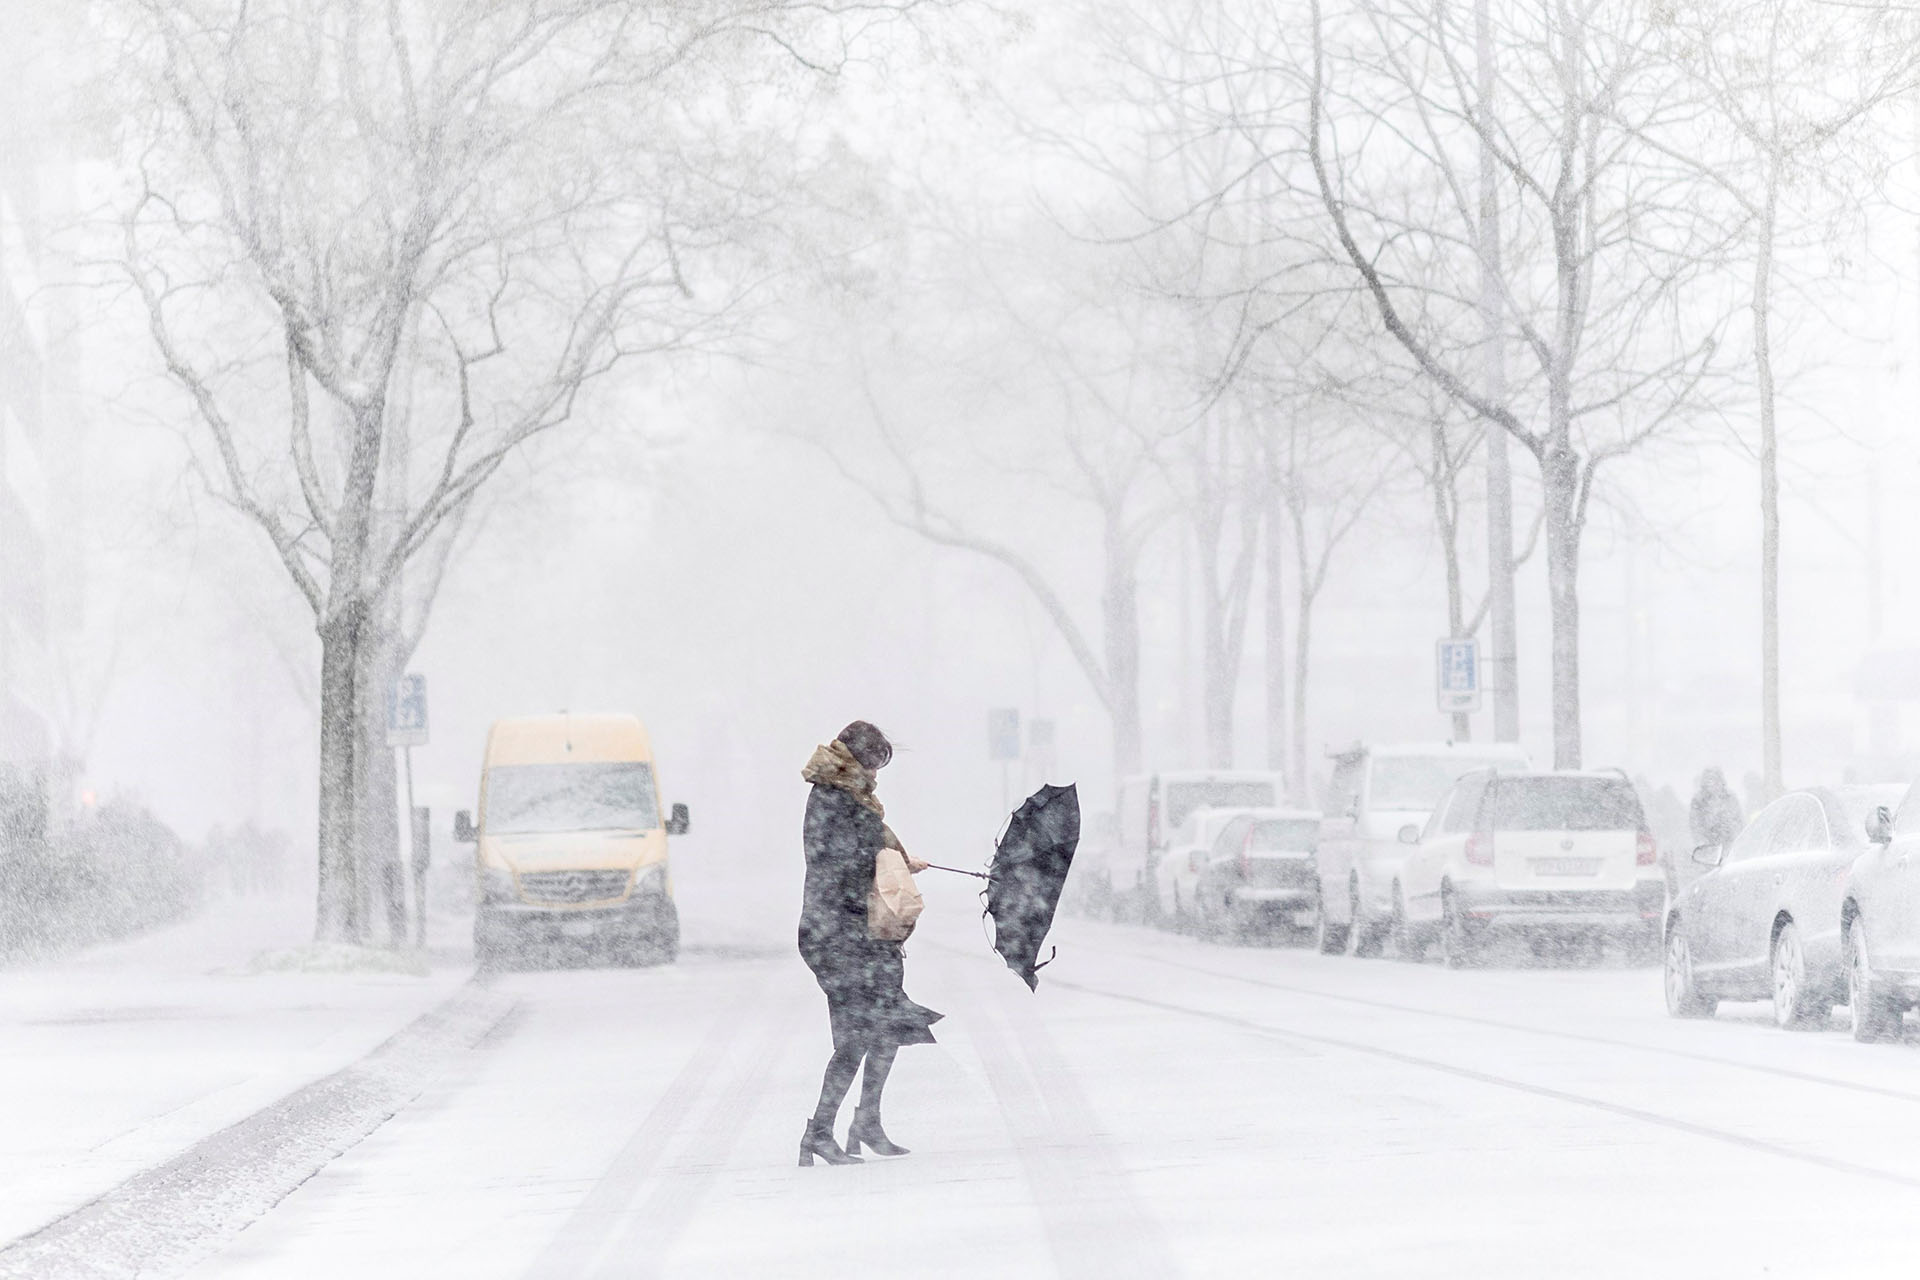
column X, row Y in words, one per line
column 834, row 766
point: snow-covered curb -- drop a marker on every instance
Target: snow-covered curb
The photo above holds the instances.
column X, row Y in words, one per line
column 162, row 1221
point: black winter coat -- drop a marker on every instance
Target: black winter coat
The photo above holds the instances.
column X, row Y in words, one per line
column 863, row 977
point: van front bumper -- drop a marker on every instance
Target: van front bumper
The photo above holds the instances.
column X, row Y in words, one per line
column 641, row 918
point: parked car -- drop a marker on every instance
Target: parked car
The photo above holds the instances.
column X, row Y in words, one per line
column 1765, row 917
column 1553, row 855
column 1259, row 875
column 1154, row 805
column 1880, row 921
column 1176, row 873
column 1375, row 791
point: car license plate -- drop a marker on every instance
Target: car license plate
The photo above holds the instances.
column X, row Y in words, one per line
column 1564, row 866
column 577, row 928
column 1305, row 918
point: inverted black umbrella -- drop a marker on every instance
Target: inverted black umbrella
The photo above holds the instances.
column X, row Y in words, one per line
column 1029, row 869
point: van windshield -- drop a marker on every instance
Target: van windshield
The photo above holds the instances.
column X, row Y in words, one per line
column 527, row 798
column 1184, row 797
column 1416, row 783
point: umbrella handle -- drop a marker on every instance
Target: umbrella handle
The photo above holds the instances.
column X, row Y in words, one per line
column 934, row 866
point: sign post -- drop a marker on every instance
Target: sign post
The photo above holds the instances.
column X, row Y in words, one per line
column 1003, row 744
column 1457, row 681
column 407, row 729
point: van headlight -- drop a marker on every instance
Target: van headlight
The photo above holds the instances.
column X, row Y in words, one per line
column 650, row 879
column 496, row 885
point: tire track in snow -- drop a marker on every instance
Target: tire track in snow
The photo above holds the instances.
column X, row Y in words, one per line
column 647, row 1235
column 589, row 1232
column 163, row 1220
column 1577, row 1037
column 1673, row 1123
column 1097, row 1225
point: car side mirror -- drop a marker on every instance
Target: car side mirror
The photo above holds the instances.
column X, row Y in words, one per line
column 1879, row 825
column 1409, row 834
column 463, row 832
column 678, row 821
column 1709, row 855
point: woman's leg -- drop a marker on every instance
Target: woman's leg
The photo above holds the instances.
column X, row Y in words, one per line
column 834, row 1085
column 874, row 1080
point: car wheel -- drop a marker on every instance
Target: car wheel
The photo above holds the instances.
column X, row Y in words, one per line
column 1458, row 947
column 1683, row 994
column 1795, row 1007
column 1369, row 935
column 1874, row 1015
column 1328, row 937
column 1407, row 944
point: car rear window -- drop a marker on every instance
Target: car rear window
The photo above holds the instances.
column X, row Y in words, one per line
column 1285, row 836
column 1561, row 804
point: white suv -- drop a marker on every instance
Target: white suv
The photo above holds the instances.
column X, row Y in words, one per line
column 1550, row 854
column 1375, row 792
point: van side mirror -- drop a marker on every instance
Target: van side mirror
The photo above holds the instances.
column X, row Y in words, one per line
column 1409, row 834
column 678, row 820
column 1879, row 825
column 463, row 832
column 1709, row 855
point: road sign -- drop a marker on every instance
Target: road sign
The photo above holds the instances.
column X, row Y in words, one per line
column 1003, row 733
column 1459, row 675
column 407, row 711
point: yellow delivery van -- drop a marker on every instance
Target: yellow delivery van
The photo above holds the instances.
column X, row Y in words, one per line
column 571, row 847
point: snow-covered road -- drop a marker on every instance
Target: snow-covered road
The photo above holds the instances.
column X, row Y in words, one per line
column 1161, row 1107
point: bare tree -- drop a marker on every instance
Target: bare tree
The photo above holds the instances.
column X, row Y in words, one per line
column 1600, row 237
column 1790, row 87
column 484, row 211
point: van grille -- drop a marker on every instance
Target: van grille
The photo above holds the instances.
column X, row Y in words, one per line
column 574, row 886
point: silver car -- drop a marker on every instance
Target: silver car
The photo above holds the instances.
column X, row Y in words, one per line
column 1880, row 921
column 1765, row 917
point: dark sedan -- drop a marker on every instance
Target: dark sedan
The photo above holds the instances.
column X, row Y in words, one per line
column 1765, row 917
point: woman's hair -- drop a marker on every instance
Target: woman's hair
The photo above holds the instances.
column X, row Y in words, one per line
column 869, row 746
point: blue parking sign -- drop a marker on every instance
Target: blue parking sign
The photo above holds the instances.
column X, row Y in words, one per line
column 1458, row 681
column 407, row 711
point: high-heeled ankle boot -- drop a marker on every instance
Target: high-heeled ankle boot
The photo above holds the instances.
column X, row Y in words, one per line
column 866, row 1131
column 817, row 1140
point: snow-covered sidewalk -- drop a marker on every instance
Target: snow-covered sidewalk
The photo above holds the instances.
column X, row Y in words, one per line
column 120, row 1058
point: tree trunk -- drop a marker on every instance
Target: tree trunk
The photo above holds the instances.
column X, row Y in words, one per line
column 1217, row 679
column 1560, row 473
column 1447, row 519
column 1120, row 606
column 1772, row 764
column 377, row 781
column 1502, row 661
column 339, row 915
column 1276, row 608
column 1302, row 644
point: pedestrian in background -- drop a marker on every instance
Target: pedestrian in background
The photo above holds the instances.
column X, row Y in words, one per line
column 1715, row 815
column 862, row 976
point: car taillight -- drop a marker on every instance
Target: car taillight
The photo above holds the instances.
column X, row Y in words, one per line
column 1246, row 862
column 1480, row 848
column 1645, row 852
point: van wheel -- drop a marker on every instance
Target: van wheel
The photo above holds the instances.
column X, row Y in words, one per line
column 1369, row 935
column 1328, row 937
column 1408, row 942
